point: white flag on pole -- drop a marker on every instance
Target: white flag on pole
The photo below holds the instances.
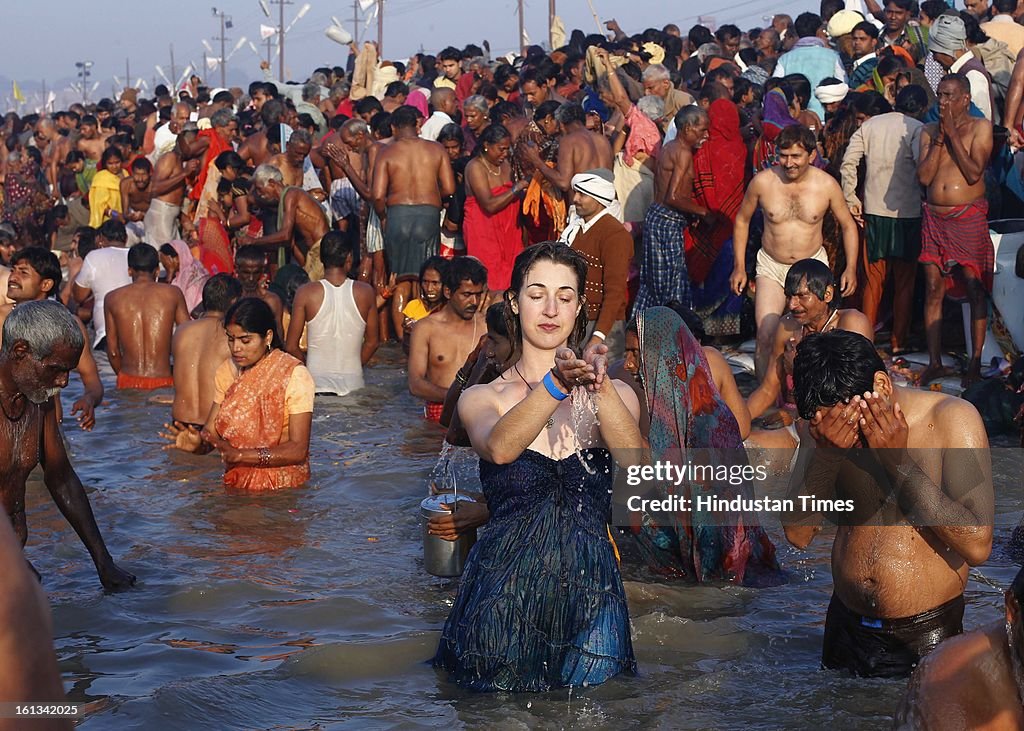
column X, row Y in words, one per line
column 364, row 5
column 266, row 31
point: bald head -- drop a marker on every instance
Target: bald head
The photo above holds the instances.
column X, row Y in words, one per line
column 443, row 100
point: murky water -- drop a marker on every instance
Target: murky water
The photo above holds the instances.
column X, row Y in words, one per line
column 310, row 608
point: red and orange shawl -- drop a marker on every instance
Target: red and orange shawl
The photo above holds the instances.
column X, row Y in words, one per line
column 217, row 146
column 719, row 179
column 253, row 415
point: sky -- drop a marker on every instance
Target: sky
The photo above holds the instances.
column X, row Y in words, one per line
column 45, row 38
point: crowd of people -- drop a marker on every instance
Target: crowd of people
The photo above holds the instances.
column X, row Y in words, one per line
column 558, row 239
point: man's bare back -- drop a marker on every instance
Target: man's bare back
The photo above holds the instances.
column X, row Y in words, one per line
column 587, row 150
column 199, row 348
column 674, row 170
column 412, row 172
column 140, row 323
column 254, row 149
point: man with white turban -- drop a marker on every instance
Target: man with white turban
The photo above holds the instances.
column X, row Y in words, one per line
column 831, row 92
column 596, row 233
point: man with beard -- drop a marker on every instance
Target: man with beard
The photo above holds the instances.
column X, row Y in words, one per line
column 795, row 196
column 41, row 344
column 813, row 308
column 251, row 270
column 442, row 341
column 301, row 222
column 136, row 194
column 36, row 277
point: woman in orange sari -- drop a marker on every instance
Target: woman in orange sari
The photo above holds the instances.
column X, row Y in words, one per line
column 262, row 407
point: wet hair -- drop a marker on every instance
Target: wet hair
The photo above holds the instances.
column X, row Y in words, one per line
column 960, row 80
column 833, row 367
column 818, row 277
column 496, row 319
column 557, row 253
column 113, row 230
column 220, row 292
column 404, row 117
column 229, row 159
column 438, row 263
column 689, row 116
column 396, row 88
column 381, row 125
column 505, row 110
column 43, row 261
column 89, row 119
column 254, row 316
column 368, row 105
column 336, row 247
column 547, row 109
column 287, row 282
column 141, row 163
column 143, row 258
column 571, row 112
column 251, row 254
column 461, row 269
column 912, row 100
column 871, row 103
column 42, row 326
column 796, row 135
column 453, row 133
column 86, row 240
column 494, row 134
column 110, row 153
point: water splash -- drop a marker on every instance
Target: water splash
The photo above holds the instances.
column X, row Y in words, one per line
column 582, row 411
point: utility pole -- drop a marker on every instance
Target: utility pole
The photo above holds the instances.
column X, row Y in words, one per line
column 551, row 24
column 268, row 52
column 355, row 22
column 380, row 28
column 522, row 44
column 280, row 40
column 127, row 74
column 223, row 54
column 174, row 74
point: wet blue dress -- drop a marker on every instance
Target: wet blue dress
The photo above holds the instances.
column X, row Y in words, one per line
column 541, row 603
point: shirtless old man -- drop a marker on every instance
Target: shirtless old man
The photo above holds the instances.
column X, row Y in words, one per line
column 441, row 342
column 795, row 196
column 914, row 469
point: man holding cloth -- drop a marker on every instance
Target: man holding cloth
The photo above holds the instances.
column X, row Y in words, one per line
column 597, row 234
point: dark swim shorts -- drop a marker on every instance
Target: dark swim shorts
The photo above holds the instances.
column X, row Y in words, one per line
column 886, row 648
column 412, row 234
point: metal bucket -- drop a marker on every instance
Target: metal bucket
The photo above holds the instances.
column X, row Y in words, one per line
column 441, row 557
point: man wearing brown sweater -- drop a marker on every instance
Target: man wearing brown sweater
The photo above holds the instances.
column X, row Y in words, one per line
column 596, row 233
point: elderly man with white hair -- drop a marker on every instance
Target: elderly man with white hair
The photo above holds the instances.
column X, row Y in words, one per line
column 596, row 233
column 658, row 82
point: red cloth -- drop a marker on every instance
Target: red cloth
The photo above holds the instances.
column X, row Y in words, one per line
column 217, row 146
column 464, row 87
column 215, row 247
column 432, row 411
column 143, row 383
column 719, row 179
column 494, row 239
column 959, row 237
column 346, row 107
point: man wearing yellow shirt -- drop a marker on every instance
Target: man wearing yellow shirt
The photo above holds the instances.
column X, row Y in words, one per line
column 450, row 61
column 431, row 296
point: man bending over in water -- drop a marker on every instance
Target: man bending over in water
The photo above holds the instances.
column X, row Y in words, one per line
column 795, row 196
column 920, row 504
column 42, row 343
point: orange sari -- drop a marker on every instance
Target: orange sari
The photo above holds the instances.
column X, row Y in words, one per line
column 252, row 416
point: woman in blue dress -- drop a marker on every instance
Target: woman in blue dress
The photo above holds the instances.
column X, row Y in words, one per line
column 541, row 603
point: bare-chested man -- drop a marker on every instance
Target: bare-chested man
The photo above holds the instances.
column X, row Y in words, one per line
column 795, row 196
column 954, row 225
column 301, row 222
column 441, row 342
column 199, row 348
column 91, row 141
column 813, row 307
column 579, row 149
column 42, row 343
column 291, row 162
column 663, row 276
column 36, row 276
column 973, row 681
column 251, row 270
column 55, row 148
column 136, row 194
column 140, row 323
column 410, row 177
column 907, row 475
column 255, row 150
column 167, row 190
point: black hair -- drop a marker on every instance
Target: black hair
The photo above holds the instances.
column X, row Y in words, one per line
column 229, row 159
column 818, row 277
column 380, row 125
column 220, row 292
column 368, row 105
column 110, row 152
column 727, row 31
column 404, row 117
column 74, row 156
column 901, row 4
column 252, row 254
column 86, row 240
column 44, row 262
column 287, row 282
column 699, row 35
column 461, row 269
column 113, row 230
column 143, row 258
column 396, row 88
column 168, row 250
column 505, row 110
column 496, row 319
column 438, row 263
column 975, row 35
column 934, row 8
column 450, row 54
column 452, row 133
column 141, row 163
column 254, row 316
column 503, row 73
column 807, row 25
column 889, row 65
column 557, row 253
column 868, row 28
column 801, row 87
column 796, row 134
column 494, row 134
column 871, row 103
column 336, row 247
column 833, row 367
column 828, row 8
column 912, row 100
column 548, row 109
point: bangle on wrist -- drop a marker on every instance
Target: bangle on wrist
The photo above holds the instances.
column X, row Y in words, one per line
column 263, row 453
column 554, row 391
column 599, row 334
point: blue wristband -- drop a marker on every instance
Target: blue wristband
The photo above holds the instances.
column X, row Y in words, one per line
column 555, row 392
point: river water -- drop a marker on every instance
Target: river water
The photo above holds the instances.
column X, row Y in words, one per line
column 310, row 608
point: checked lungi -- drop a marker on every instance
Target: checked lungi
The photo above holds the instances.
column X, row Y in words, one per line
column 663, row 275
column 958, row 238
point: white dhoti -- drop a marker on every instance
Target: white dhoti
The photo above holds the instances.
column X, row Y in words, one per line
column 161, row 223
